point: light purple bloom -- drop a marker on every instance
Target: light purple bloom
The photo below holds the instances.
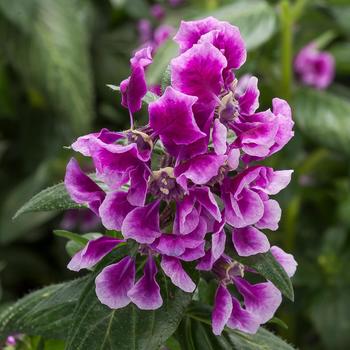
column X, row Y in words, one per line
column 314, row 67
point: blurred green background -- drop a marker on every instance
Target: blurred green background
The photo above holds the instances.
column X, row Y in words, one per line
column 56, row 57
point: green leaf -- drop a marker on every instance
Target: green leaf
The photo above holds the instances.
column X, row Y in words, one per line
column 97, row 327
column 262, row 340
column 256, row 20
column 47, row 43
column 46, row 312
column 166, row 79
column 324, row 118
column 52, row 198
column 269, row 268
column 195, row 332
column 73, row 247
column 150, row 97
column 75, row 237
column 10, row 230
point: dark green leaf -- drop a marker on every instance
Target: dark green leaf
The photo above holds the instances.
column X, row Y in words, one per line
column 52, row 198
column 262, row 340
column 256, row 20
column 73, row 247
column 46, row 312
column 150, row 97
column 97, row 327
column 166, row 79
column 81, row 240
column 195, row 332
column 11, row 230
column 324, row 118
column 269, row 268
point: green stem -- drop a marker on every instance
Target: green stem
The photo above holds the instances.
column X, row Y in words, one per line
column 286, row 19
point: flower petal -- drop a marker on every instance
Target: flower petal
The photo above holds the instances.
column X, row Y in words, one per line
column 81, row 188
column 249, row 100
column 199, row 169
column 249, row 241
column 261, row 299
column 222, row 309
column 198, row 72
column 171, row 118
column 242, row 320
column 142, row 224
column 190, row 31
column 146, row 292
column 114, row 209
column 219, row 137
column 114, row 282
column 92, row 253
column 173, row 269
column 271, row 217
column 82, row 143
column 286, row 260
column 205, row 197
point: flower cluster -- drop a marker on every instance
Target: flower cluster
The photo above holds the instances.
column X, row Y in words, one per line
column 184, row 187
column 315, row 68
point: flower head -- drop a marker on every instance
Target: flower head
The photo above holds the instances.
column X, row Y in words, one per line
column 182, row 187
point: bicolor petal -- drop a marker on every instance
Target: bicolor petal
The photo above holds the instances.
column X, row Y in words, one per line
column 114, row 282
column 145, row 294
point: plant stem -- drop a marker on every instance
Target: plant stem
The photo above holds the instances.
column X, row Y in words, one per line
column 286, row 19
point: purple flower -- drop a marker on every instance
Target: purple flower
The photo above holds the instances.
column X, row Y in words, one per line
column 158, row 12
column 178, row 185
column 161, row 35
column 261, row 300
column 265, row 133
column 247, row 203
column 134, row 88
column 144, row 27
column 313, row 67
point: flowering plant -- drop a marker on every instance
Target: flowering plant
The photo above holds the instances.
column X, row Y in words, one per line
column 184, row 197
column 185, row 187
